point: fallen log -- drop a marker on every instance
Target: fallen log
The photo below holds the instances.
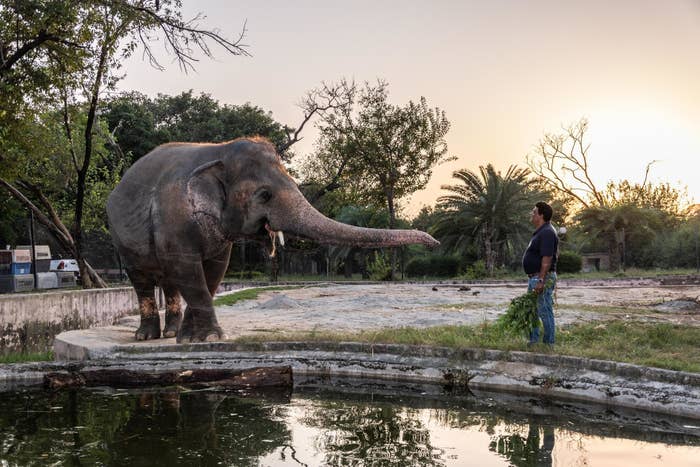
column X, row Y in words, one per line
column 259, row 377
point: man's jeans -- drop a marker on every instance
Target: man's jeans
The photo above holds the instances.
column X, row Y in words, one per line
column 545, row 308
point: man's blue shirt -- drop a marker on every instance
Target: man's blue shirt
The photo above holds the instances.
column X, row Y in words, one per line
column 544, row 242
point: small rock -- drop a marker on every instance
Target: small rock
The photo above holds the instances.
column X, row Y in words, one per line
column 435, row 289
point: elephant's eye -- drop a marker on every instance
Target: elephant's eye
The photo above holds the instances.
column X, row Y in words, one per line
column 264, row 196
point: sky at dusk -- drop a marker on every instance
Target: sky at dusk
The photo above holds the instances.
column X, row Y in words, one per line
column 505, row 72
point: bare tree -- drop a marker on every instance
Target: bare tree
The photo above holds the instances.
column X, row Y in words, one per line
column 319, row 102
column 561, row 160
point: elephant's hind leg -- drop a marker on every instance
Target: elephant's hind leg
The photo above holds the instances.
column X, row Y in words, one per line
column 149, row 327
column 173, row 311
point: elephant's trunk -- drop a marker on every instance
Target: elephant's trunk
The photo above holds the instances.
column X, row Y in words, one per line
column 302, row 219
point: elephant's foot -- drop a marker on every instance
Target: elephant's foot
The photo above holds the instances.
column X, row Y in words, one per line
column 208, row 334
column 149, row 329
column 172, row 324
column 199, row 326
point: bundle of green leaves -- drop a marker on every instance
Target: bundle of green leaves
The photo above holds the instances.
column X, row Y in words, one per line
column 521, row 315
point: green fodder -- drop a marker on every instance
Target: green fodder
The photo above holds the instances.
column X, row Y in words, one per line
column 521, row 316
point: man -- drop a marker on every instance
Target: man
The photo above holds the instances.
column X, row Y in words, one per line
column 540, row 264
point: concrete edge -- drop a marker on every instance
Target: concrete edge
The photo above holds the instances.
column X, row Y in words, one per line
column 613, row 368
column 558, row 377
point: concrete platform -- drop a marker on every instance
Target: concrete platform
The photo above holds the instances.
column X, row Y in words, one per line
column 348, row 307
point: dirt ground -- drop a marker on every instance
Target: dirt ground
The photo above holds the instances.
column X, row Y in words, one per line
column 337, row 307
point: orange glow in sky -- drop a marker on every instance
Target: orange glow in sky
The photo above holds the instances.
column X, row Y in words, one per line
column 505, row 72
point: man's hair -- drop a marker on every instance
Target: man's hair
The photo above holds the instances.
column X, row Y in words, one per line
column 545, row 210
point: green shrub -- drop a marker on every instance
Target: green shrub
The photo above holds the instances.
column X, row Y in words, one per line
column 434, row 266
column 477, row 270
column 248, row 275
column 569, row 261
column 379, row 268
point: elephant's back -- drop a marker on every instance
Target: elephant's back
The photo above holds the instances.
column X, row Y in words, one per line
column 131, row 203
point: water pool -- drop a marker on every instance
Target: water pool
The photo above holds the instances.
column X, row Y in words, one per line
column 339, row 422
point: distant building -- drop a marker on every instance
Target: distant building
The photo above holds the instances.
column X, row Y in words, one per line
column 595, row 262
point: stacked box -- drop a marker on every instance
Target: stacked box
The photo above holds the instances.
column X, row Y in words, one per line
column 15, row 262
column 65, row 279
column 42, row 251
column 43, row 265
column 19, row 256
column 5, row 260
column 20, row 268
column 16, row 283
column 47, row 280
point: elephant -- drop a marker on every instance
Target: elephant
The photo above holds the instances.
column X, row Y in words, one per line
column 176, row 211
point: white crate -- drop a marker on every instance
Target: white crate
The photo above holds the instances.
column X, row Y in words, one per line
column 47, row 280
column 16, row 283
column 65, row 279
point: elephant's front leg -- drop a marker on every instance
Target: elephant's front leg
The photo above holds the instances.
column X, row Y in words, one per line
column 199, row 323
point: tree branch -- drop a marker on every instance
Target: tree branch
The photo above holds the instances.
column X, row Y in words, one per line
column 64, row 240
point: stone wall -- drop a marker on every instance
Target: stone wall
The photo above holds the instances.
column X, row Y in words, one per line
column 29, row 321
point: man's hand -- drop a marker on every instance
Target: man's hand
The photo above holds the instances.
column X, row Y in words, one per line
column 544, row 270
column 539, row 287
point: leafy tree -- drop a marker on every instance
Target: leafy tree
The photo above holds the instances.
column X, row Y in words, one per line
column 425, row 219
column 392, row 148
column 617, row 225
column 662, row 197
column 490, row 208
column 386, row 151
column 140, row 124
column 62, row 55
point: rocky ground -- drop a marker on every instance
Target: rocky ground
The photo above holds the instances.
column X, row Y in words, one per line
column 337, row 307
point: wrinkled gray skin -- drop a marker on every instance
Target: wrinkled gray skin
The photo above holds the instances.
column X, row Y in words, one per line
column 176, row 211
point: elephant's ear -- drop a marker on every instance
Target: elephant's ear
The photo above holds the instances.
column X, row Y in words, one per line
column 206, row 189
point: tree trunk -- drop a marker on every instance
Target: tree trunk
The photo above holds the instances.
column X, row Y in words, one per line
column 392, row 223
column 614, row 253
column 88, row 276
column 348, row 264
column 488, row 252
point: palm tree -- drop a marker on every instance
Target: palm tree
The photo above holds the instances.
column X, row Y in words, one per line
column 488, row 208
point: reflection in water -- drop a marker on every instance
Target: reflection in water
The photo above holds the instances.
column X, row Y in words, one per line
column 317, row 427
column 526, row 452
column 386, row 434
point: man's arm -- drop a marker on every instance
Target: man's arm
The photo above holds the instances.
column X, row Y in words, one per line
column 544, row 269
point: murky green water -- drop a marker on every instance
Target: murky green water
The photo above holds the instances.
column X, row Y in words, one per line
column 354, row 424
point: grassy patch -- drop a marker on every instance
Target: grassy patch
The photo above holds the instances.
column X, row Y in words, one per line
column 249, row 294
column 21, row 357
column 628, row 273
column 605, row 309
column 658, row 345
